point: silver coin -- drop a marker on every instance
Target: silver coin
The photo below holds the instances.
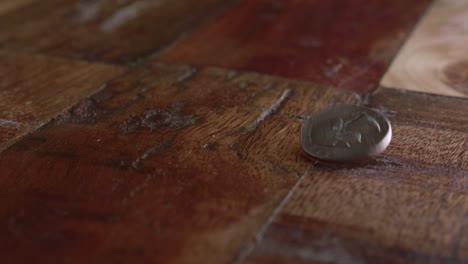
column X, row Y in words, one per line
column 345, row 133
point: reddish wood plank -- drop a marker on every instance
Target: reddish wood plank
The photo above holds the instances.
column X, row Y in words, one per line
column 34, row 89
column 167, row 164
column 347, row 44
column 409, row 205
column 435, row 57
column 103, row 30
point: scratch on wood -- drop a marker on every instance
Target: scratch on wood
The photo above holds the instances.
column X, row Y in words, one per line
column 292, row 116
column 334, row 70
column 123, row 15
column 244, row 84
column 270, row 110
column 9, row 123
column 156, row 149
column 87, row 11
column 210, row 146
column 337, row 255
column 159, row 118
column 86, row 111
column 361, row 99
column 187, row 74
column 354, row 76
column 323, row 250
column 231, row 74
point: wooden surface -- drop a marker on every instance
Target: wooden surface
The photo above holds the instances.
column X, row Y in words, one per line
column 9, row 5
column 101, row 30
column 347, row 44
column 34, row 89
column 166, row 162
column 435, row 58
column 409, row 205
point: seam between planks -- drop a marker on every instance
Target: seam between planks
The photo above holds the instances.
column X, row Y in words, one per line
column 97, row 90
column 404, row 41
column 247, row 249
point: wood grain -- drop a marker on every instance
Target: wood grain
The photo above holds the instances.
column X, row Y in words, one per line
column 34, row 89
column 346, row 44
column 102, row 30
column 167, row 164
column 435, row 58
column 9, row 5
column 409, row 205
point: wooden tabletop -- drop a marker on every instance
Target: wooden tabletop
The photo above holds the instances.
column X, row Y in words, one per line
column 159, row 131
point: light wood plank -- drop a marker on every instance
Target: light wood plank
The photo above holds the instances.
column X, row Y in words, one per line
column 435, row 58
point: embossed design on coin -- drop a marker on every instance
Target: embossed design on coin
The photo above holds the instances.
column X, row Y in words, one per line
column 345, row 132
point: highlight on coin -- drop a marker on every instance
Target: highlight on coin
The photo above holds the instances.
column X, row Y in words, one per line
column 345, row 133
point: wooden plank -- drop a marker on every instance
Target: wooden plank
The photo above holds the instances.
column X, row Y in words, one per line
column 103, row 30
column 34, row 89
column 9, row 5
column 167, row 164
column 434, row 59
column 409, row 205
column 347, row 44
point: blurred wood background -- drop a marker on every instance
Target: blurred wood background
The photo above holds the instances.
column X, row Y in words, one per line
column 157, row 131
column 434, row 59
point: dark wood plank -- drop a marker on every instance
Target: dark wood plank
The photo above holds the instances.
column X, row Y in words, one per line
column 168, row 164
column 347, row 44
column 10, row 5
column 103, row 30
column 434, row 59
column 35, row 89
column 409, row 205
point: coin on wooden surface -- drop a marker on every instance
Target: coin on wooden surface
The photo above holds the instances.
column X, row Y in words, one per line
column 345, row 133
